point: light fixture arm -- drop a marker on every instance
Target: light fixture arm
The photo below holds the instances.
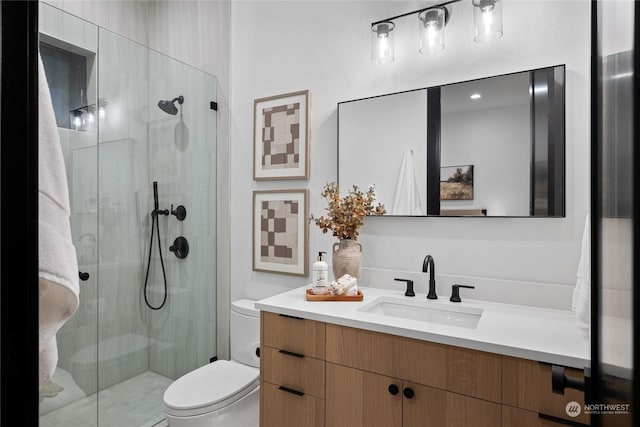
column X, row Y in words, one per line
column 420, row 10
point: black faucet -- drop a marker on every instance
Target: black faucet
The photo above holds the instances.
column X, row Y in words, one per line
column 428, row 265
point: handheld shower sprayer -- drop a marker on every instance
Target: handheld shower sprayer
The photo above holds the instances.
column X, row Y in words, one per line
column 155, row 227
column 155, row 195
column 156, row 210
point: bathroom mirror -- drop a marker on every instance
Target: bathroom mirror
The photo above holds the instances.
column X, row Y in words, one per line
column 488, row 147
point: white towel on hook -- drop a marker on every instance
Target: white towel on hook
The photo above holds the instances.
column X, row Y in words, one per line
column 581, row 303
column 58, row 265
column 406, row 200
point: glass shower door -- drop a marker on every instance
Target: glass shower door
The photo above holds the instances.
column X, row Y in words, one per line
column 129, row 117
column 157, row 319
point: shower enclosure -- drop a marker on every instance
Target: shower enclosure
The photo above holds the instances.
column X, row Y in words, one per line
column 116, row 355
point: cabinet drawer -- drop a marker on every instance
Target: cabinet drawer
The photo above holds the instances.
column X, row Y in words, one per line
column 304, row 374
column 514, row 417
column 469, row 372
column 526, row 384
column 280, row 408
column 293, row 334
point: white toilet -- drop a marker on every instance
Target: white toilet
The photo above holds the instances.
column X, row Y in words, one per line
column 222, row 393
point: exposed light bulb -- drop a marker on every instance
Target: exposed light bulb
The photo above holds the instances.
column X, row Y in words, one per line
column 383, row 46
column 77, row 122
column 91, row 117
column 487, row 19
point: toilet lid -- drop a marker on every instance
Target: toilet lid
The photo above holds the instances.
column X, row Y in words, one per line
column 210, row 387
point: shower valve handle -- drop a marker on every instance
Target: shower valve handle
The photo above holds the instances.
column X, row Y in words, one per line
column 180, row 212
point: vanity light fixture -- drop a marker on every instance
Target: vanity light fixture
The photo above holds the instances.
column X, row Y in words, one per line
column 431, row 24
column 382, row 47
column 487, row 18
column 475, row 96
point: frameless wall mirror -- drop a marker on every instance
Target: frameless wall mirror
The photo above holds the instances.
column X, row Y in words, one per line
column 488, row 147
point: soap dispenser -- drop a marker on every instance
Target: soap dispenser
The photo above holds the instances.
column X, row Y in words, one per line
column 320, row 271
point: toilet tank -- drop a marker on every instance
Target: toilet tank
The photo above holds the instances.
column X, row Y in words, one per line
column 245, row 332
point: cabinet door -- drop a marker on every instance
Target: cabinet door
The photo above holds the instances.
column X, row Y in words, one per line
column 427, row 406
column 356, row 398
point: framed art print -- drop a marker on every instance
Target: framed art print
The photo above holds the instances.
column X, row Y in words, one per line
column 456, row 182
column 281, row 137
column 280, row 232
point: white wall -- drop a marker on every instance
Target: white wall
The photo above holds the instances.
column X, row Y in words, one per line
column 279, row 47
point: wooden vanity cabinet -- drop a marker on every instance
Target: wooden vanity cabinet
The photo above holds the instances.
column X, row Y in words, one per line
column 315, row 374
column 292, row 371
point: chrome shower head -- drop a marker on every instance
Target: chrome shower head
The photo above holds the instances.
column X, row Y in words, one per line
column 169, row 107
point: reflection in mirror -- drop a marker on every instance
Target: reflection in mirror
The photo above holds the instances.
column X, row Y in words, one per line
column 486, row 147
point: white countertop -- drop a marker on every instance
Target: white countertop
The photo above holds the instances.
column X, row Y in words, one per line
column 545, row 335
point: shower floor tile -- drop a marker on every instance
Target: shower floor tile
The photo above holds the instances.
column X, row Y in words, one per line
column 136, row 402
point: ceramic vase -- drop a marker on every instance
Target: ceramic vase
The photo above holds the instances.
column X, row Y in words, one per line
column 347, row 258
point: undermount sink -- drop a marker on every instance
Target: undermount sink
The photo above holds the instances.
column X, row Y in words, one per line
column 424, row 311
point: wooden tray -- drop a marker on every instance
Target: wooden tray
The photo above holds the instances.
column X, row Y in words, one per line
column 313, row 297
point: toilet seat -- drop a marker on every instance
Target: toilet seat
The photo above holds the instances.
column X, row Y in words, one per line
column 210, row 388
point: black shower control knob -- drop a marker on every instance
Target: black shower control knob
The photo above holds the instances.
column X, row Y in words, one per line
column 408, row 393
column 180, row 247
column 393, row 389
column 84, row 276
column 180, row 212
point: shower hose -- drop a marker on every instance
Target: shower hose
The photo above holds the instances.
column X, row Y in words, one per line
column 154, row 219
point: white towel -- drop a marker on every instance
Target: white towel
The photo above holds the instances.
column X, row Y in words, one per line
column 407, row 198
column 581, row 303
column 58, row 265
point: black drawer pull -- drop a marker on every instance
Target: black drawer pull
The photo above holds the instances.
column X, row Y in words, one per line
column 408, row 393
column 393, row 389
column 560, row 381
column 290, row 390
column 291, row 353
column 291, row 317
column 560, row 420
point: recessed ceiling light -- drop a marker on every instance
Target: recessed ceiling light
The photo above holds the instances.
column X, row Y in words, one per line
column 475, row 96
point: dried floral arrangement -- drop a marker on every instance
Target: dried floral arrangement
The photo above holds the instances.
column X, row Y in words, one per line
column 346, row 215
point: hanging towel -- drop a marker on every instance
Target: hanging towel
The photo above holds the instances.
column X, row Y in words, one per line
column 407, row 198
column 581, row 303
column 58, row 265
